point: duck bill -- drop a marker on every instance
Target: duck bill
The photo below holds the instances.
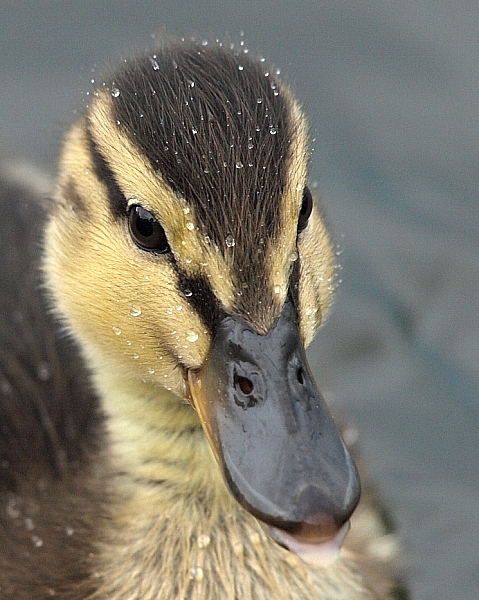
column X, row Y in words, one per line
column 272, row 434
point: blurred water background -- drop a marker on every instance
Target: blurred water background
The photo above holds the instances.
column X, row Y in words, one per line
column 392, row 91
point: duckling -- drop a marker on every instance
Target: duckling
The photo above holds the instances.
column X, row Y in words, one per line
column 173, row 444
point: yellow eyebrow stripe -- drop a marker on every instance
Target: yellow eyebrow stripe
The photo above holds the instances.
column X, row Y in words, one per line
column 135, row 176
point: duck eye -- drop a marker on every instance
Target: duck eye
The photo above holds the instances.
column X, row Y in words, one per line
column 146, row 231
column 306, row 208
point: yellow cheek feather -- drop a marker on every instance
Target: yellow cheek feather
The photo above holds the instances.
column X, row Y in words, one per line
column 317, row 280
column 143, row 327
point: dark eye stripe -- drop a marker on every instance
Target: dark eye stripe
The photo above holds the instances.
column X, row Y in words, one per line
column 201, row 297
column 118, row 202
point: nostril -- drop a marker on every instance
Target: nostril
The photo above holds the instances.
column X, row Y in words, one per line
column 244, row 384
column 299, row 375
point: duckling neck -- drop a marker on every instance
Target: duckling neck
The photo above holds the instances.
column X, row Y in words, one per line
column 155, row 436
column 172, row 526
column 173, row 530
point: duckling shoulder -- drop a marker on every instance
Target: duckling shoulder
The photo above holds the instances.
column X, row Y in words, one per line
column 50, row 428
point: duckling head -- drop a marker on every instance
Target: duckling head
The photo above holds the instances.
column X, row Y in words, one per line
column 186, row 255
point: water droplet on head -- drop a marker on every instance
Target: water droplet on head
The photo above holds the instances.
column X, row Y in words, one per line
column 135, row 311
column 116, row 330
column 136, row 355
column 239, row 164
column 190, row 226
column 277, row 289
column 259, row 100
column 230, row 241
column 154, row 63
column 178, row 308
column 115, row 92
column 293, row 256
column 273, row 131
column 151, row 370
column 240, row 67
column 188, row 293
column 191, row 336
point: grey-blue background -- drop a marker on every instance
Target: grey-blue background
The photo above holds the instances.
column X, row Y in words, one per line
column 392, row 93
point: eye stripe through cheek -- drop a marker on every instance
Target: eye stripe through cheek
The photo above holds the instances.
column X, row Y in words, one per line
column 199, row 294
